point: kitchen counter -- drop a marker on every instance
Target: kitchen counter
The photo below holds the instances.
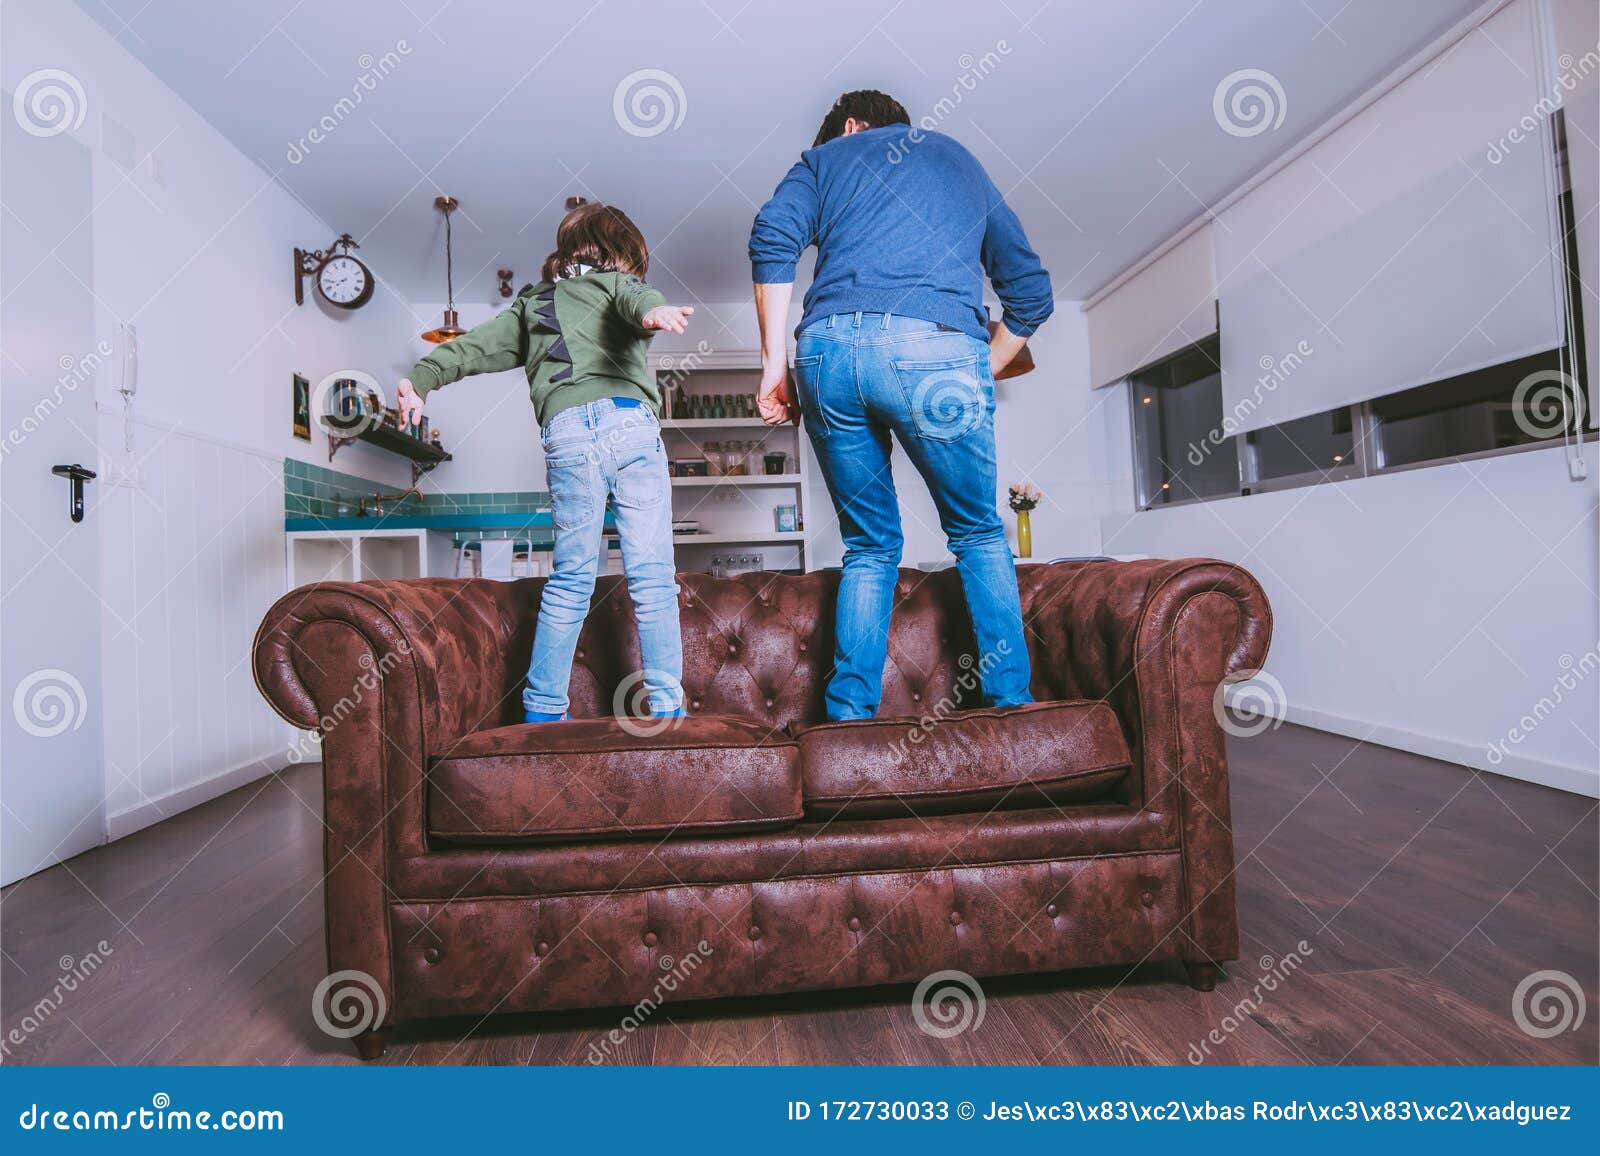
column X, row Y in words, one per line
column 448, row 522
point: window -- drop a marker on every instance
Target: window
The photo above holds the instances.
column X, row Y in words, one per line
column 1473, row 414
column 1184, row 450
column 1180, row 450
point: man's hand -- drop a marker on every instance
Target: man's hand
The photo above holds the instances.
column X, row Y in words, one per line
column 673, row 317
column 1003, row 346
column 775, row 399
column 410, row 403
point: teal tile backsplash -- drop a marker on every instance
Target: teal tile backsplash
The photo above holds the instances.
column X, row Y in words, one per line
column 312, row 491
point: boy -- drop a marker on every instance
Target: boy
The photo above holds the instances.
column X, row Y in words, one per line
column 582, row 336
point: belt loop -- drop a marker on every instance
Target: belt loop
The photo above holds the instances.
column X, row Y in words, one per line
column 885, row 324
column 832, row 317
column 858, row 319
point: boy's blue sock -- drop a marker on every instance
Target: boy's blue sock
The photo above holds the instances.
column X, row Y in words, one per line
column 675, row 712
column 539, row 716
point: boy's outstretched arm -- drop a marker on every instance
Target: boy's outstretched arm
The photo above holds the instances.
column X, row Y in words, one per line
column 498, row 344
column 646, row 307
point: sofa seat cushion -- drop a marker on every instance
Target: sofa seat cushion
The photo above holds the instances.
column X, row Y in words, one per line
column 593, row 779
column 1043, row 754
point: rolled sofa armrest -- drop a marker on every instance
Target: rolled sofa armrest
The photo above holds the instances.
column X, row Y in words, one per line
column 1157, row 639
column 390, row 673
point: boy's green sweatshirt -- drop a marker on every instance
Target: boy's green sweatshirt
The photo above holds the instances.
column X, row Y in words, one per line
column 579, row 340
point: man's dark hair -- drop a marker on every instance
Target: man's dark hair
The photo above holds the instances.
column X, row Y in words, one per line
column 867, row 105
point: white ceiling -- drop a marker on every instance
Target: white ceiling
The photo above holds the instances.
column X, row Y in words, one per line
column 1096, row 118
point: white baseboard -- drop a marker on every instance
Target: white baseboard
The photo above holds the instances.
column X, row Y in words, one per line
column 151, row 811
column 1561, row 776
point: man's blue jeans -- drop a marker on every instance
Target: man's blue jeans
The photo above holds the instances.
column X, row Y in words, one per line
column 861, row 377
column 591, row 451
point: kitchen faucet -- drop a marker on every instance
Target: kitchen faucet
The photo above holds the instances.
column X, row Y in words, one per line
column 379, row 499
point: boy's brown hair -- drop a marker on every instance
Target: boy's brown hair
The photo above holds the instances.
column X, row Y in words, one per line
column 600, row 236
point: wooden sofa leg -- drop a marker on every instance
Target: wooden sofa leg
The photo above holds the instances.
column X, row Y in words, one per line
column 371, row 1045
column 1203, row 976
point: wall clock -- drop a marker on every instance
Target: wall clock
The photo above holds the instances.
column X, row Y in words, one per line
column 340, row 277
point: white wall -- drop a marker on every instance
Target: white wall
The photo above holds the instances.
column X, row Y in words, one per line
column 196, row 253
column 1450, row 610
column 1429, row 610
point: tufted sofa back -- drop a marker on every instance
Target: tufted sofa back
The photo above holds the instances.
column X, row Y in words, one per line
column 761, row 645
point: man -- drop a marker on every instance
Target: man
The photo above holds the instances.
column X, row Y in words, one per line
column 894, row 340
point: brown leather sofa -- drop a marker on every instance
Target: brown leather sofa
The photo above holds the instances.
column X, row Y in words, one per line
column 477, row 865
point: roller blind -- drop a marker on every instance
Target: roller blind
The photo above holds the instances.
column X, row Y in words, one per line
column 1169, row 305
column 1412, row 244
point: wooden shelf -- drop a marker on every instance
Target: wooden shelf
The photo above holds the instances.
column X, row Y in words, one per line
column 738, row 480
column 423, row 455
column 716, row 423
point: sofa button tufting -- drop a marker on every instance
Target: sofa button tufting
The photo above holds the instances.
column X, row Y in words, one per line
column 694, row 705
column 580, row 652
column 804, row 646
column 431, row 954
column 1052, row 910
column 650, row 939
column 955, row 917
column 1146, row 898
column 854, row 924
column 541, row 948
column 916, row 696
column 755, row 931
column 770, row 702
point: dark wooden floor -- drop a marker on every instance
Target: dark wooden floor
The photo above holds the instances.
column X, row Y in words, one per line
column 1426, row 894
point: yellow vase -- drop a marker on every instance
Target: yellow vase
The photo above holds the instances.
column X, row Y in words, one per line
column 1024, row 534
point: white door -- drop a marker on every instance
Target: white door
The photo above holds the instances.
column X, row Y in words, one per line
column 52, row 785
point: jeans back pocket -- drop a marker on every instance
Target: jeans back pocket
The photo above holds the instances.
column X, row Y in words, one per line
column 807, row 380
column 947, row 398
column 574, row 478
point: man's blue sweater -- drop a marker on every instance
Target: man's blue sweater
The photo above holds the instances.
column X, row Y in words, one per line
column 905, row 221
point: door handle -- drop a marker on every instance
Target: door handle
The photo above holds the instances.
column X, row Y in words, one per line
column 76, row 475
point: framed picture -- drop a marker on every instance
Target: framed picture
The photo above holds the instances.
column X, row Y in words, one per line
column 302, row 408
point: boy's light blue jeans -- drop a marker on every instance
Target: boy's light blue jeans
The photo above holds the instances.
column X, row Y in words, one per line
column 591, row 451
column 862, row 377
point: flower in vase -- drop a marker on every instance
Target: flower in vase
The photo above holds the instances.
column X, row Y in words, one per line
column 1025, row 497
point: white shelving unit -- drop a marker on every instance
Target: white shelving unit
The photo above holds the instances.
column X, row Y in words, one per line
column 735, row 510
